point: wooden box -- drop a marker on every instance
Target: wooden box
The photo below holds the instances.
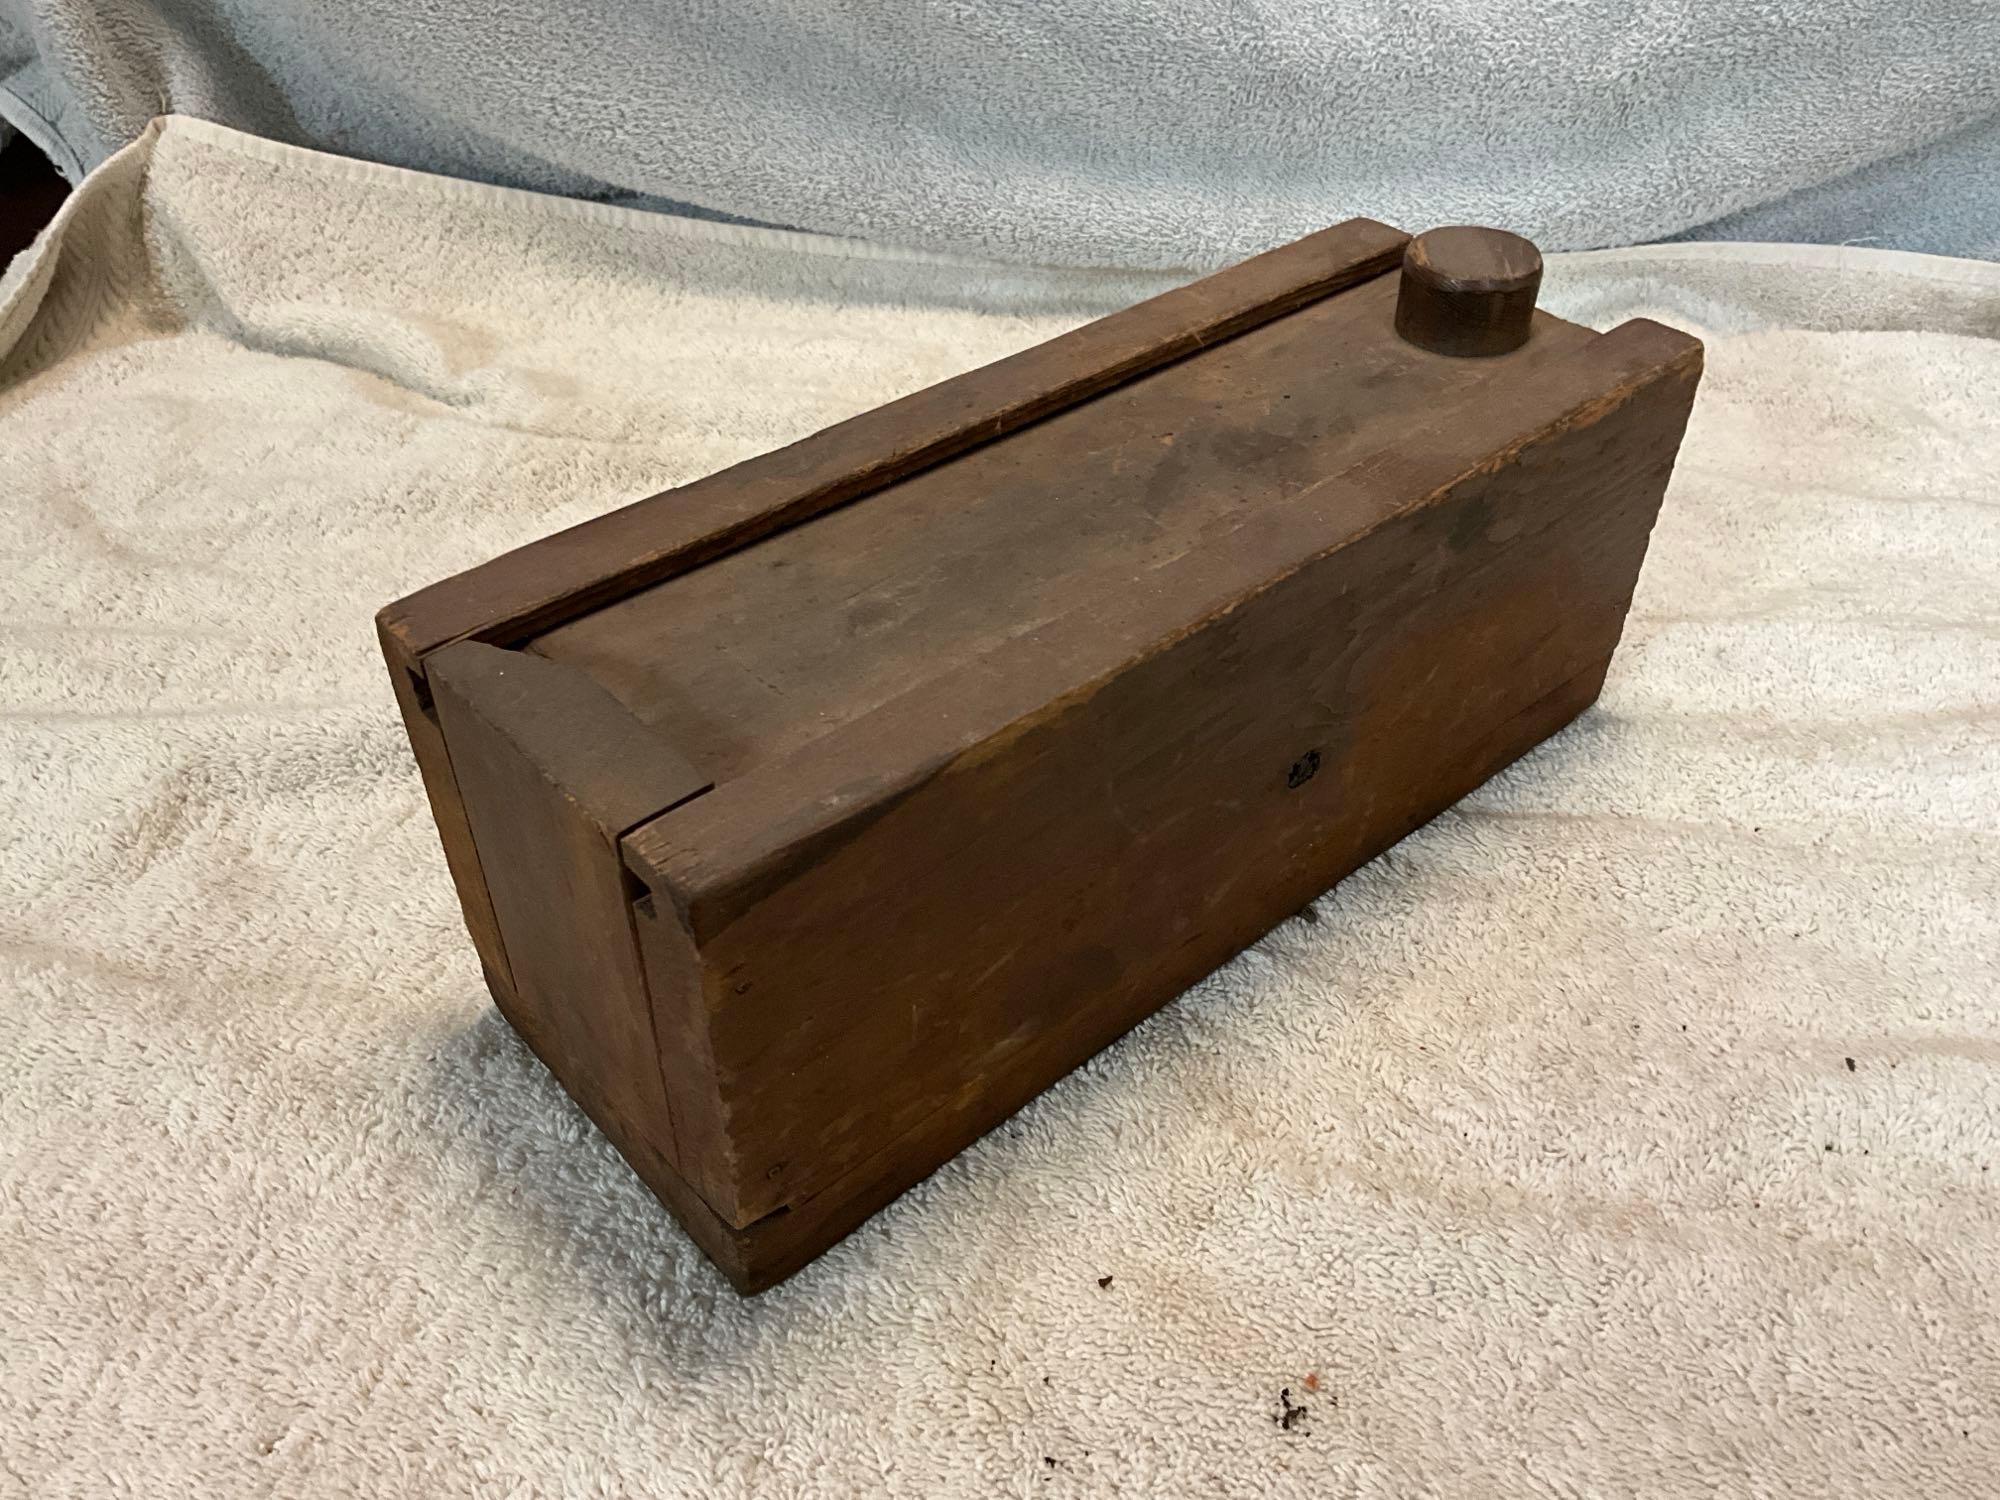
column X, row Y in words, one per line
column 813, row 817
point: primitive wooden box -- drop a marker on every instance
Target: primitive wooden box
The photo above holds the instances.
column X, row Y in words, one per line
column 813, row 817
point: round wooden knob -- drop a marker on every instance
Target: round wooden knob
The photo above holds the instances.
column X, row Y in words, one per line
column 1468, row 291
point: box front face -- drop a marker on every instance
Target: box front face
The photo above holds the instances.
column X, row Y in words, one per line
column 988, row 919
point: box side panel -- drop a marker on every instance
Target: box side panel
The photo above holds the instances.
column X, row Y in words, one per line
column 902, row 982
column 776, row 1246
column 552, row 771
column 447, row 808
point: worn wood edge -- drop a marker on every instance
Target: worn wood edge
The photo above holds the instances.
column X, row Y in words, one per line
column 671, row 967
column 617, row 771
column 432, row 754
column 537, row 587
column 836, row 801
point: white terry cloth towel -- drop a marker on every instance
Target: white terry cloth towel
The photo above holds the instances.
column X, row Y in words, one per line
column 1632, row 1129
column 1159, row 133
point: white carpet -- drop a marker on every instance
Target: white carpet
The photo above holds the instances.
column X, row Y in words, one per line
column 1633, row 1130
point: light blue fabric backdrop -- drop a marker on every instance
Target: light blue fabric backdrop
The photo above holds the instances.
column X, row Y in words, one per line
column 1135, row 132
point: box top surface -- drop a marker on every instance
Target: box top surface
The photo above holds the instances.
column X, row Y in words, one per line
column 752, row 656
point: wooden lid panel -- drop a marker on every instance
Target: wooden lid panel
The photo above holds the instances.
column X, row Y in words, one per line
column 757, row 653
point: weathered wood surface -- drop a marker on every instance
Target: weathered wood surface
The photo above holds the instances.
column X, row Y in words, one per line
column 810, row 838
column 981, row 881
column 1468, row 292
column 413, row 698
column 761, row 651
column 563, row 576
column 553, row 772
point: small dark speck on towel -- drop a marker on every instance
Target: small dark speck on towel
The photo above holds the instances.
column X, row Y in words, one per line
column 1850, row 1064
column 1289, row 1415
column 1103, row 1282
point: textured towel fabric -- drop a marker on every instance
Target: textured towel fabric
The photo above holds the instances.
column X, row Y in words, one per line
column 1633, row 1129
column 1155, row 133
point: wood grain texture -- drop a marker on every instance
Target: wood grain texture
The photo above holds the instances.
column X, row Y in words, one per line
column 566, row 575
column 677, row 986
column 814, row 838
column 1467, row 291
column 772, row 1248
column 779, row 643
column 433, row 757
column 977, row 884
column 553, row 772
column 749, row 1259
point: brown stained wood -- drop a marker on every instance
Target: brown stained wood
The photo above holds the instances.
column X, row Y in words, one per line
column 772, row 646
column 1015, row 863
column 772, row 1248
column 763, row 1253
column 553, row 771
column 677, row 984
column 447, row 807
column 817, row 837
column 1467, row 291
column 742, row 1256
column 566, row 575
